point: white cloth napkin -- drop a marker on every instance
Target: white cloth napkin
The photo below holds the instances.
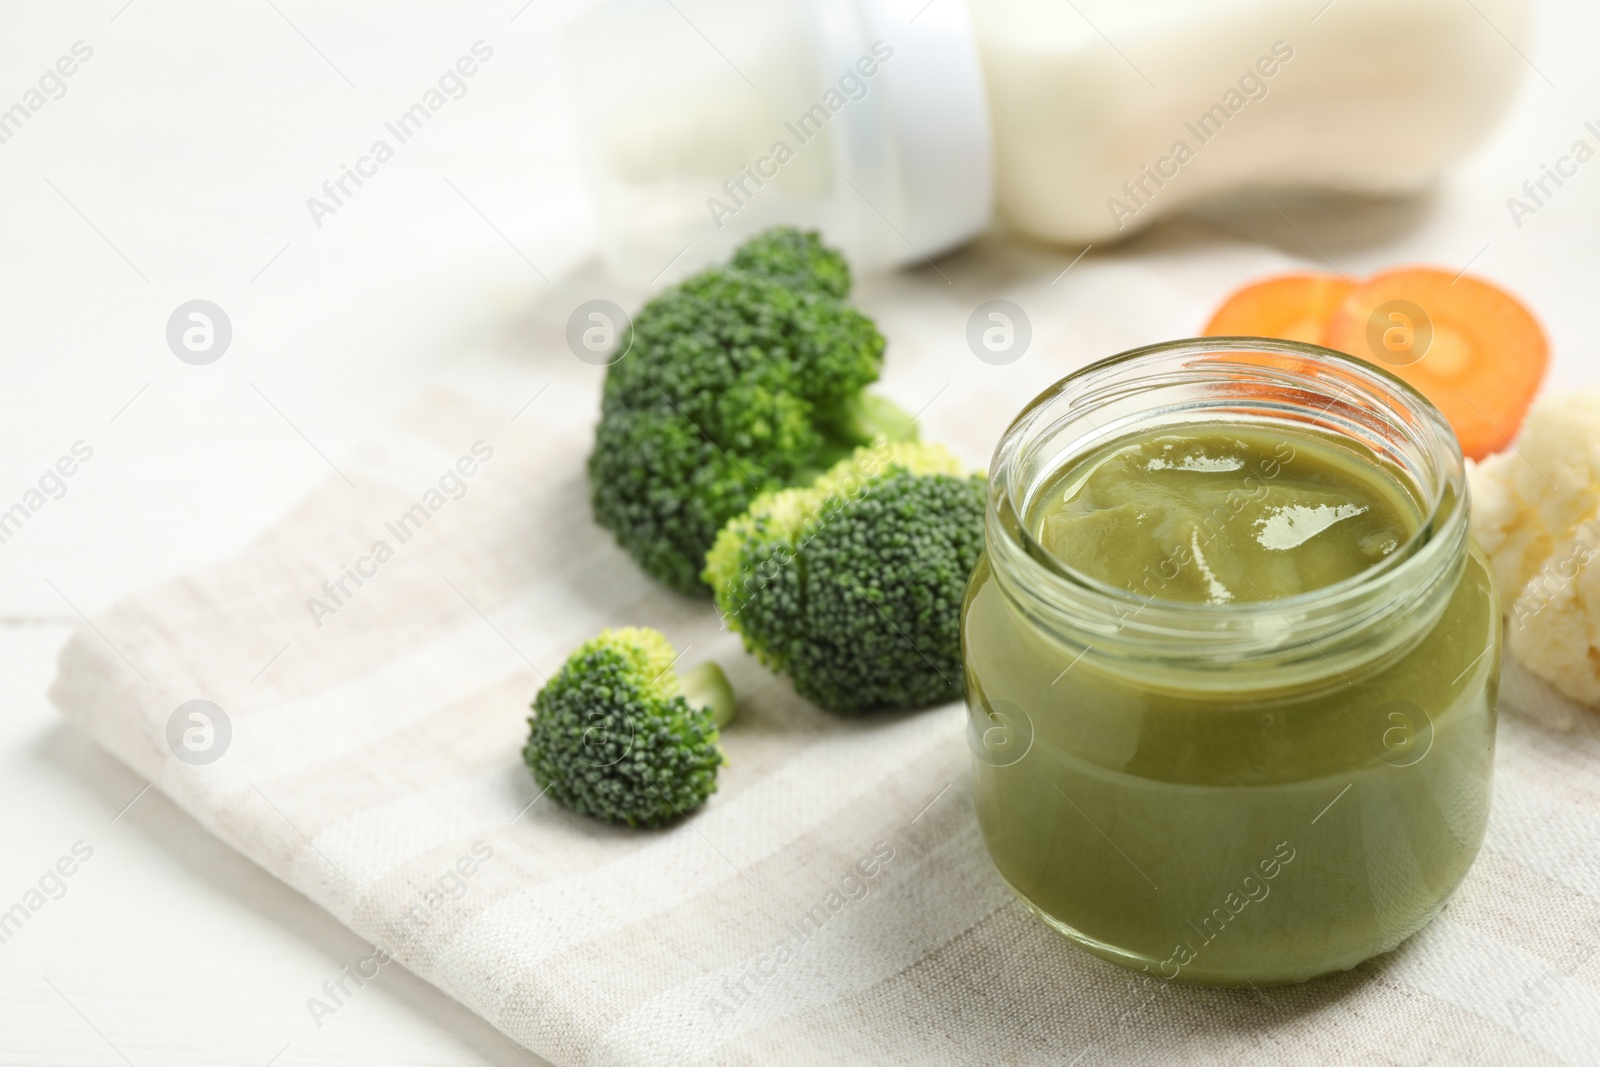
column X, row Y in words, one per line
column 833, row 903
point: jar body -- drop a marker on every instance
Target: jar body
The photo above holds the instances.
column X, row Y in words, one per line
column 1228, row 840
column 1229, row 789
column 1096, row 140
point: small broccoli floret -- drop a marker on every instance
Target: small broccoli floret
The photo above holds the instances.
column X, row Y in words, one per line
column 618, row 734
column 744, row 378
column 852, row 585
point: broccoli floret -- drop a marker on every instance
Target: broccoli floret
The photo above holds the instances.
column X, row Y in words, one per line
column 620, row 735
column 852, row 585
column 744, row 378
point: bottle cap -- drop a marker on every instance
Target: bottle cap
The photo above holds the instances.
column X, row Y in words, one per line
column 938, row 123
column 705, row 121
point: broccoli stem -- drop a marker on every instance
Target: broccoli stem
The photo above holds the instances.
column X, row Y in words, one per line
column 866, row 417
column 705, row 686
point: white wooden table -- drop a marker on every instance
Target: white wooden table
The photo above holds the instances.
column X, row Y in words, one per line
column 176, row 166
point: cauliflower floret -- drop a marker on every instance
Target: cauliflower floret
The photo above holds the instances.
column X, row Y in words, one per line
column 1555, row 620
column 1536, row 513
column 1528, row 503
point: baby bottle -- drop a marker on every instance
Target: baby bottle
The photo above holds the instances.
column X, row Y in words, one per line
column 903, row 128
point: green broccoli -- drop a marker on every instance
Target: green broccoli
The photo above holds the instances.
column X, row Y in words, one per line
column 620, row 735
column 852, row 585
column 744, row 378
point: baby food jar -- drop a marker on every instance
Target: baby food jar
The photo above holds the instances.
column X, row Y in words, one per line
column 1233, row 790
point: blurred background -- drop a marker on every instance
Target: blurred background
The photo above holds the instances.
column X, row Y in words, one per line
column 175, row 164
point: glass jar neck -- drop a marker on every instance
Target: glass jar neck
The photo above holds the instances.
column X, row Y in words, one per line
column 1320, row 637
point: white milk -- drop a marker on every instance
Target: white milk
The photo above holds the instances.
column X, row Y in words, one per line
column 1105, row 120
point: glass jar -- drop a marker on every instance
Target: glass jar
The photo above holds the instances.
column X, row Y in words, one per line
column 1242, row 792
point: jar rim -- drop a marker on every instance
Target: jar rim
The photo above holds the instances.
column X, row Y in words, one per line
column 1280, row 380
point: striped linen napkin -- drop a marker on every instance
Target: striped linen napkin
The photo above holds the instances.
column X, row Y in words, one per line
column 366, row 668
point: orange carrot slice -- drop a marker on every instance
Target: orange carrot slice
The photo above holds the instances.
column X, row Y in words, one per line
column 1468, row 346
column 1295, row 307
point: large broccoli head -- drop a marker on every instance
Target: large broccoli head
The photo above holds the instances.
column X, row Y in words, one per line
column 852, row 585
column 620, row 735
column 742, row 379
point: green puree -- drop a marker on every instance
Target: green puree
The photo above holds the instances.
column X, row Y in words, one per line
column 1199, row 514
column 1240, row 830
